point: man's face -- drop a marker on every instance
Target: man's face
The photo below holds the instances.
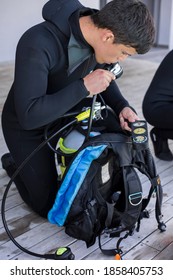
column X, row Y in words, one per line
column 106, row 51
column 113, row 52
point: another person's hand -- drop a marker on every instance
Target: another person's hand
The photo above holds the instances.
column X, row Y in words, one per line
column 126, row 116
column 98, row 81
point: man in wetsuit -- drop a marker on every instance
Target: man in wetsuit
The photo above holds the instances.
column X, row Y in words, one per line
column 54, row 73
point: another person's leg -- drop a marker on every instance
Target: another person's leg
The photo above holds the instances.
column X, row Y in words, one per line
column 161, row 118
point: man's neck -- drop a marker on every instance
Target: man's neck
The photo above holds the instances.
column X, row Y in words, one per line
column 87, row 28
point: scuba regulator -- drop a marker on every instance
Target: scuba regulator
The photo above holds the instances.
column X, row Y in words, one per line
column 115, row 68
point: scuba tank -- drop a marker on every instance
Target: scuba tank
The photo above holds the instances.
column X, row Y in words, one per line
column 72, row 140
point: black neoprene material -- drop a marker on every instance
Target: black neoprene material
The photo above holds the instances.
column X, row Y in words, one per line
column 157, row 103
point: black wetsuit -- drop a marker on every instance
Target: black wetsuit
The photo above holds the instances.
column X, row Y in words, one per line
column 158, row 101
column 47, row 84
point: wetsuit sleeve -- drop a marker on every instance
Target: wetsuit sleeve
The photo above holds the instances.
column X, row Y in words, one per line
column 34, row 107
column 113, row 97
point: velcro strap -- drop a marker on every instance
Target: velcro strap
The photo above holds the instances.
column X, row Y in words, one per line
column 110, row 212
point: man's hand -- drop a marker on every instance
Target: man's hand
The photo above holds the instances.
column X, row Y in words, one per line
column 98, row 81
column 125, row 116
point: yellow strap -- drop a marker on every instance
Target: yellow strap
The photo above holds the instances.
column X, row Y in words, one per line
column 63, row 168
column 84, row 115
column 65, row 149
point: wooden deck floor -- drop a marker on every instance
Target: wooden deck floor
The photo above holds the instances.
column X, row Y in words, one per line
column 38, row 235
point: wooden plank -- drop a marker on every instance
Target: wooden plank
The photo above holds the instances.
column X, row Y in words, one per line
column 13, row 200
column 15, row 218
column 155, row 241
column 36, row 235
column 166, row 254
column 48, row 245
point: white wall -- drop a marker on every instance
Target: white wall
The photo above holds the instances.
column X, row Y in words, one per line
column 16, row 16
column 90, row 3
column 171, row 29
column 164, row 22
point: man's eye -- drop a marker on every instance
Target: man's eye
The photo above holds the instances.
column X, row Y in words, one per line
column 124, row 53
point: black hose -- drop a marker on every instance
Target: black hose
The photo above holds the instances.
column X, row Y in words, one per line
column 90, row 118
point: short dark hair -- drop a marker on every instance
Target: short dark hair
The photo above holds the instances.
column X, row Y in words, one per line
column 130, row 21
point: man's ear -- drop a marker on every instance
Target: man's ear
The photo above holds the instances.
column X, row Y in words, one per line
column 108, row 36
